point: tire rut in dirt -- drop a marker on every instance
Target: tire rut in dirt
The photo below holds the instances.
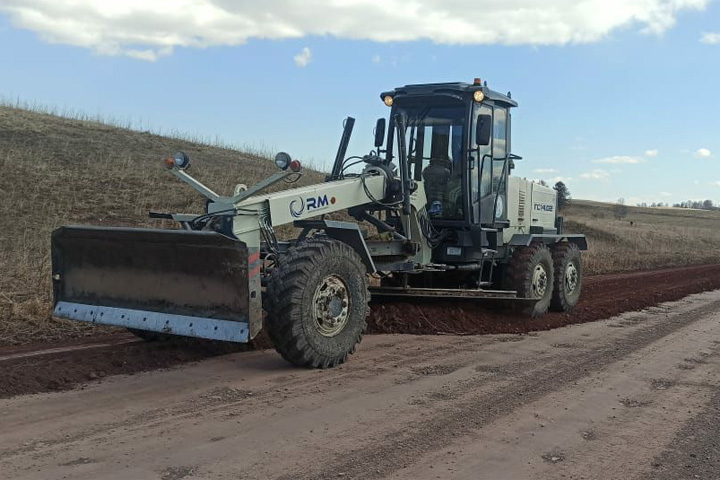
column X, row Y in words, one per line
column 695, row 450
column 399, row 448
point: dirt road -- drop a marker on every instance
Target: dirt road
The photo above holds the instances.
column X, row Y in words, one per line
column 634, row 396
column 59, row 366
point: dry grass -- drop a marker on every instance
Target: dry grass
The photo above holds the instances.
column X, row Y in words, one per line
column 657, row 237
column 59, row 171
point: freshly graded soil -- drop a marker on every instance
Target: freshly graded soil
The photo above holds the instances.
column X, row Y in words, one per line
column 66, row 365
column 603, row 296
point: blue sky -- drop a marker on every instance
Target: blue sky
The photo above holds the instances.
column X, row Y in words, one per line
column 616, row 106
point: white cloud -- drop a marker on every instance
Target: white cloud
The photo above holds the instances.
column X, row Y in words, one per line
column 561, row 179
column 376, row 59
column 710, row 38
column 303, row 58
column 134, row 27
column 666, row 194
column 545, row 170
column 651, row 153
column 717, row 183
column 623, row 159
column 703, row 153
column 597, row 174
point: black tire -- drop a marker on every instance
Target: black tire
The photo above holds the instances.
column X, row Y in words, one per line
column 150, row 336
column 319, row 276
column 530, row 274
column 568, row 277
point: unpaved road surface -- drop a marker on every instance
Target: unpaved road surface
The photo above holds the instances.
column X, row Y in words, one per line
column 61, row 366
column 631, row 397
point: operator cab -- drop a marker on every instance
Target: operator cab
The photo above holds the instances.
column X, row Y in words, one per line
column 457, row 137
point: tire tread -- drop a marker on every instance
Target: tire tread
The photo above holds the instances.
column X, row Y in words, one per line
column 283, row 293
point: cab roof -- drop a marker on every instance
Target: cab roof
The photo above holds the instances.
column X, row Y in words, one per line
column 459, row 90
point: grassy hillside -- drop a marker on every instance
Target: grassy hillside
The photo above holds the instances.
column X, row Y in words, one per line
column 58, row 171
column 646, row 237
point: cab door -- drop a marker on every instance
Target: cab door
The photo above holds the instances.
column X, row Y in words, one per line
column 500, row 151
column 481, row 174
column 492, row 169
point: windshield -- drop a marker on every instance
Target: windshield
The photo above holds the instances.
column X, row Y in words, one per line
column 434, row 138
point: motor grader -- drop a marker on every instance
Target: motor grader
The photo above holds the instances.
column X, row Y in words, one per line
column 433, row 211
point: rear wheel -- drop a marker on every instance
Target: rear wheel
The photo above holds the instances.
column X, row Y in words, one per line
column 568, row 277
column 317, row 303
column 530, row 273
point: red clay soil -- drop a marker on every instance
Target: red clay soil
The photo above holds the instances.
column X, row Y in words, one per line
column 68, row 369
column 603, row 296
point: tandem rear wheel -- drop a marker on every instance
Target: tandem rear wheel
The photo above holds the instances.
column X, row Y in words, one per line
column 530, row 273
column 317, row 303
column 567, row 263
column 552, row 276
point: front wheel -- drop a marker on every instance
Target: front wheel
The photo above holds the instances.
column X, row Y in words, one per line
column 568, row 277
column 317, row 303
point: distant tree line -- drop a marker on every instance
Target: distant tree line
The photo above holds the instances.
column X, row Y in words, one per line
column 695, row 204
column 653, row 204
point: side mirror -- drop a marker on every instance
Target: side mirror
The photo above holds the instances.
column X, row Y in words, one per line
column 483, row 129
column 380, row 132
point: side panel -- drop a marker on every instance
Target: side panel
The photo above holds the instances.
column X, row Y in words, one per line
column 518, row 205
column 542, row 208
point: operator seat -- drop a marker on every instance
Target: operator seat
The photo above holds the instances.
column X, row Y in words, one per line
column 437, row 173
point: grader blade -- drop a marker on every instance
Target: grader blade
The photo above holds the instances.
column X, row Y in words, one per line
column 178, row 282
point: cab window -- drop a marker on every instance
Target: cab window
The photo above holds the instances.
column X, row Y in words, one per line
column 434, row 138
column 484, row 160
column 499, row 144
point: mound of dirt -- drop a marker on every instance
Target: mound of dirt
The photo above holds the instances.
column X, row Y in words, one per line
column 603, row 296
column 81, row 362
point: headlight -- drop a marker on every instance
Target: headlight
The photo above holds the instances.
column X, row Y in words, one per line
column 282, row 160
column 500, row 206
column 478, row 96
column 388, row 100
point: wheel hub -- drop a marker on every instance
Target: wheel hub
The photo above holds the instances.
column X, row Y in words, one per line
column 539, row 281
column 331, row 303
column 571, row 277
